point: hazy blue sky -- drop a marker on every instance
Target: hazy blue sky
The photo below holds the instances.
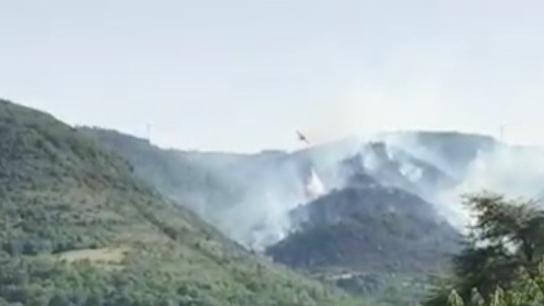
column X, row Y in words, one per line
column 243, row 75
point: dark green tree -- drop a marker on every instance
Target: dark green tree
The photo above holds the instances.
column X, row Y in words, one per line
column 507, row 236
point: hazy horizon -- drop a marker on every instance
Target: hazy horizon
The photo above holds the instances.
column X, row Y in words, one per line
column 243, row 76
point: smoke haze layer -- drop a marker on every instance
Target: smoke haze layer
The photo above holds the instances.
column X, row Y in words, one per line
column 249, row 197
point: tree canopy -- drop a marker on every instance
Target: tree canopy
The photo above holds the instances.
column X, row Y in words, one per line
column 503, row 247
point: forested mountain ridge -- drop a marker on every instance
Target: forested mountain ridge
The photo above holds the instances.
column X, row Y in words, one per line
column 238, row 193
column 381, row 221
column 368, row 242
column 368, row 228
column 79, row 229
column 193, row 178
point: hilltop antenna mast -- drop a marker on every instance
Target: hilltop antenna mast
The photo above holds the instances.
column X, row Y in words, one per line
column 502, row 131
column 148, row 132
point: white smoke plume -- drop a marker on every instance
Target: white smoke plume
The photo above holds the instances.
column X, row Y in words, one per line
column 314, row 186
column 273, row 185
column 512, row 171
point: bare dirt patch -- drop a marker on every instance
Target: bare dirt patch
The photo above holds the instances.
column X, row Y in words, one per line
column 104, row 256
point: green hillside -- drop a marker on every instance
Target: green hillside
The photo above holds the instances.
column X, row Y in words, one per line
column 78, row 229
column 195, row 179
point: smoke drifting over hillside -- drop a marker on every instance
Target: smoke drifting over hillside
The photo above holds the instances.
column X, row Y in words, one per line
column 512, row 171
column 476, row 164
column 518, row 172
column 250, row 197
column 439, row 167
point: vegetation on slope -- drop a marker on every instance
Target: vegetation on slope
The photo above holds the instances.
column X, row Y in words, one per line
column 231, row 191
column 189, row 177
column 78, row 229
column 368, row 228
column 217, row 180
column 377, row 242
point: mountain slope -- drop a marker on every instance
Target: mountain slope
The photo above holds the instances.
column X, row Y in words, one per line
column 241, row 194
column 379, row 242
column 393, row 166
column 366, row 227
column 190, row 177
column 452, row 152
column 78, row 229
